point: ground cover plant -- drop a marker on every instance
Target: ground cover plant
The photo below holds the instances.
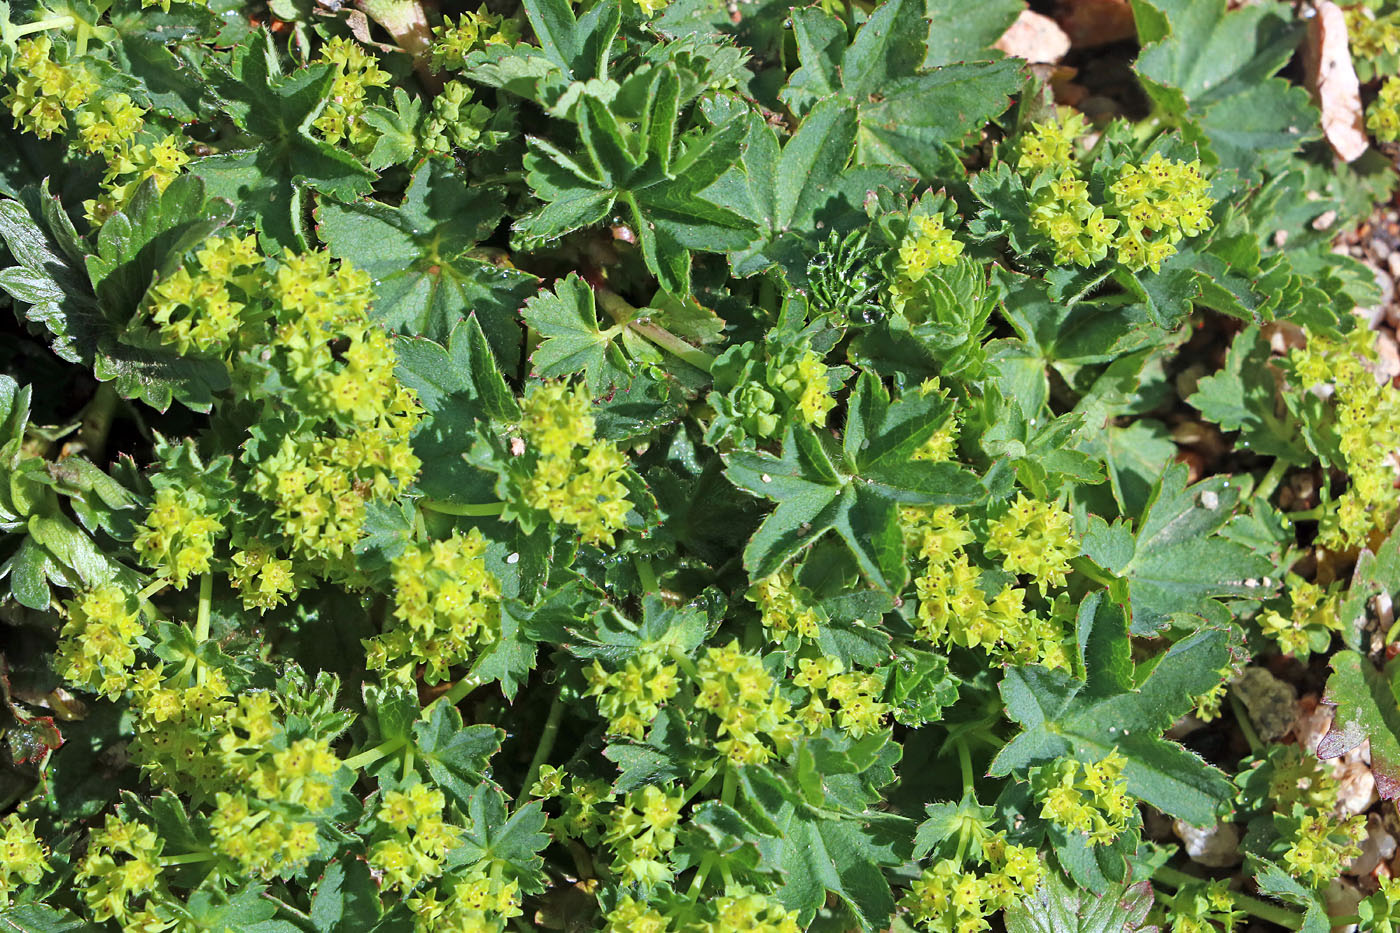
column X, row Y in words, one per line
column 659, row 467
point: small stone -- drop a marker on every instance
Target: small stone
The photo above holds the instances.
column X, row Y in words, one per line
column 1215, row 846
column 1392, row 262
column 1356, row 790
column 1272, row 703
column 1036, row 38
column 1324, row 220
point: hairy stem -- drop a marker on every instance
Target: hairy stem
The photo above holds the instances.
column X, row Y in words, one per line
column 464, row 509
column 1253, row 906
column 623, row 313
column 97, row 422
column 371, row 755
column 542, row 750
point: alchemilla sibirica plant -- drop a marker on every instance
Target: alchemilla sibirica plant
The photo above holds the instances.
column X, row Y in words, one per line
column 677, row 467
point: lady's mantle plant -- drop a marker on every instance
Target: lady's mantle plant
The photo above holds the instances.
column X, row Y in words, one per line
column 672, row 467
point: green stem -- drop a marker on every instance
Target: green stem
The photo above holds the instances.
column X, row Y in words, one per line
column 456, row 693
column 965, row 762
column 697, row 884
column 370, row 756
column 621, row 311
column 647, row 576
column 1270, row 482
column 1247, row 727
column 152, row 589
column 542, row 750
column 57, row 22
column 699, row 783
column 299, row 914
column 469, row 509
column 730, row 787
column 684, row 663
column 201, row 621
column 1253, row 906
column 188, row 858
column 97, row 421
column 1307, row 515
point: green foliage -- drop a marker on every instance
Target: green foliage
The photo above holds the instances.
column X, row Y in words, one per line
column 674, row 468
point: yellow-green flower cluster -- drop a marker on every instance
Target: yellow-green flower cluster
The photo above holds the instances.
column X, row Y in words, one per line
column 926, row 244
column 446, row 608
column 1085, row 798
column 1311, row 620
column 1049, row 145
column 853, row 695
column 576, row 479
column 1371, row 36
column 357, row 72
column 478, row 902
column 454, row 41
column 264, row 580
column 1159, row 203
column 107, row 126
column 1320, row 844
column 1078, row 229
column 23, row 858
column 642, row 831
column 178, row 535
column 120, row 875
column 1383, row 116
column 948, row 897
column 633, row 916
column 783, row 607
column 456, row 121
column 1203, row 907
column 194, row 736
column 1367, row 416
column 793, row 381
column 98, row 644
column 1151, row 206
column 264, row 834
column 954, row 609
column 632, row 696
column 753, row 718
column 131, row 165
column 419, row 837
column 43, row 89
column 197, row 311
column 739, row 909
column 1035, row 538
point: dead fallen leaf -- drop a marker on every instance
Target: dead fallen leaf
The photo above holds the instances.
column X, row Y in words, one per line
column 1090, row 23
column 1332, row 79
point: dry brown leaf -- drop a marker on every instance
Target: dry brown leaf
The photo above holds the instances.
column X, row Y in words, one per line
column 1090, row 23
column 1332, row 80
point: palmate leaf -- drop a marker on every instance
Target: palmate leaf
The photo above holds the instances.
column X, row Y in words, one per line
column 87, row 300
column 1243, row 396
column 1108, row 709
column 573, row 341
column 853, row 491
column 637, row 161
column 269, row 182
column 40, row 918
column 837, row 843
column 785, row 190
column 1057, row 908
column 419, row 254
column 906, row 115
column 1212, row 72
column 1178, row 562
